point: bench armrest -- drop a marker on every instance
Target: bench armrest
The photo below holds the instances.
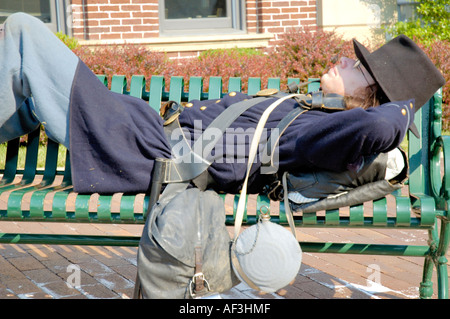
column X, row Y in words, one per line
column 440, row 171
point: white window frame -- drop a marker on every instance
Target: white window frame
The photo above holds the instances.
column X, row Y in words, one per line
column 58, row 15
column 234, row 22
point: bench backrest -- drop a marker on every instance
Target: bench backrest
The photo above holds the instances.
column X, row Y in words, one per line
column 428, row 120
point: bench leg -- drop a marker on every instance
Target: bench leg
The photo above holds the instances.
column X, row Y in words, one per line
column 439, row 246
column 442, row 280
column 426, row 286
column 441, row 260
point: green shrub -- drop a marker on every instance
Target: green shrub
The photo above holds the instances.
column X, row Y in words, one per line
column 241, row 52
column 72, row 43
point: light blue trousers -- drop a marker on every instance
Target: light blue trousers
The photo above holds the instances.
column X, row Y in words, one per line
column 36, row 75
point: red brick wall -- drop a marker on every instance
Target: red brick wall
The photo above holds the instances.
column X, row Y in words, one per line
column 115, row 19
column 277, row 16
column 138, row 19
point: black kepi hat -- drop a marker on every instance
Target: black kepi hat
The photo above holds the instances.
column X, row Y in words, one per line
column 402, row 70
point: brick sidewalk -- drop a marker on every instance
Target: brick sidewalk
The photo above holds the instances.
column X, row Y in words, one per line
column 42, row 271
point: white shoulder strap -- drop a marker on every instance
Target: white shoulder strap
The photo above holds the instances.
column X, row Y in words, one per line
column 252, row 153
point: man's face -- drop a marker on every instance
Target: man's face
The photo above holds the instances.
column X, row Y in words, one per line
column 346, row 78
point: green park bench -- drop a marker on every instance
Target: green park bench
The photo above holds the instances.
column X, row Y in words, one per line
column 425, row 207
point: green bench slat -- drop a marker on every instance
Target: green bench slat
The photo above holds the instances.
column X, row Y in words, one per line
column 29, row 172
column 59, row 206
column 380, row 212
column 356, row 215
column 31, row 158
column 332, row 217
column 254, row 85
column 51, row 163
column 215, row 88
column 234, row 84
column 11, row 160
column 427, row 210
column 119, row 84
column 314, row 86
column 137, row 86
column 102, row 78
column 403, row 211
column 127, row 210
column 309, row 219
column 104, row 208
column 156, row 91
column 176, row 88
column 274, row 83
column 195, row 88
column 82, row 212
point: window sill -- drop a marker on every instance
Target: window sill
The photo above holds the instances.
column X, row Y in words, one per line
column 191, row 43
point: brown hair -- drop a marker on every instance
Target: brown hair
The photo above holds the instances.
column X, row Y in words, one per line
column 365, row 98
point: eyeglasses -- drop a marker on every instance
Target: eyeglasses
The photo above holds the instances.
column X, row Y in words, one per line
column 358, row 65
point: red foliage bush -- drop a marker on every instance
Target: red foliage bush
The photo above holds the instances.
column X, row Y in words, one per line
column 225, row 63
column 125, row 60
column 300, row 54
column 305, row 54
column 438, row 52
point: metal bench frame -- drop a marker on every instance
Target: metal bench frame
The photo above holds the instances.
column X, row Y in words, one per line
column 425, row 207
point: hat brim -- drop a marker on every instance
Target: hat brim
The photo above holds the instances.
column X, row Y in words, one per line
column 361, row 53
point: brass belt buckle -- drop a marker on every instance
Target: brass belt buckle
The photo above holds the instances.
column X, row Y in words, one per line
column 267, row 92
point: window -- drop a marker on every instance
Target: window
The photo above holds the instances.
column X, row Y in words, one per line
column 51, row 12
column 181, row 17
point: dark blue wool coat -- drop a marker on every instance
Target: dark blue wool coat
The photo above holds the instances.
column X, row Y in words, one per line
column 114, row 138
